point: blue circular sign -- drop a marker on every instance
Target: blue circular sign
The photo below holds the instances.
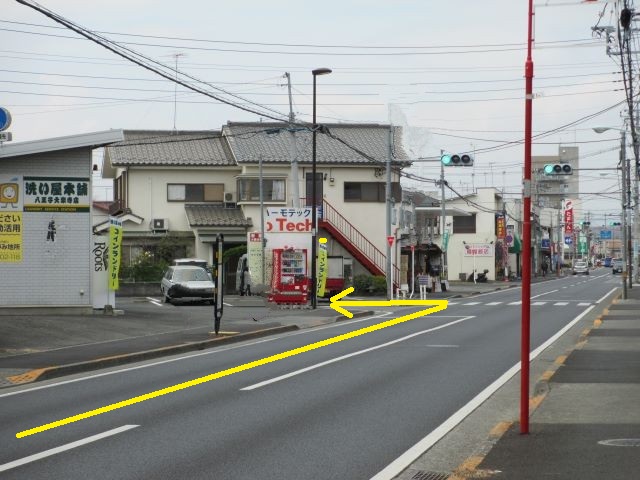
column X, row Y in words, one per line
column 5, row 119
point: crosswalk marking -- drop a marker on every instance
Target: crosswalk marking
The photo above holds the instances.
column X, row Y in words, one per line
column 494, row 303
column 561, row 304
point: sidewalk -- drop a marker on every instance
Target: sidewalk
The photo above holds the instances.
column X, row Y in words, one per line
column 585, row 412
column 39, row 347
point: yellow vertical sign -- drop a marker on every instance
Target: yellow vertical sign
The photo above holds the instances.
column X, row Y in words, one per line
column 323, row 265
column 115, row 245
column 10, row 236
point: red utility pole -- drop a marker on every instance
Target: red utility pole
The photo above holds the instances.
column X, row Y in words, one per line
column 525, row 344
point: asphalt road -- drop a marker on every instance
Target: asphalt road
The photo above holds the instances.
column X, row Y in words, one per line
column 355, row 408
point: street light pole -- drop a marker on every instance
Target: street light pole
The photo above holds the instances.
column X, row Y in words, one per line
column 314, row 220
column 625, row 235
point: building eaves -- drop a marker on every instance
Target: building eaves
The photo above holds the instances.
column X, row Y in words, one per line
column 83, row 140
column 271, row 141
column 167, row 148
column 207, row 215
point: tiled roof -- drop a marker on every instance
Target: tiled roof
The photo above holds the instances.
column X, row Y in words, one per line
column 165, row 147
column 204, row 215
column 250, row 140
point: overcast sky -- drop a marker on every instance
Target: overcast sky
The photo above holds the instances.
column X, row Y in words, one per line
column 454, row 74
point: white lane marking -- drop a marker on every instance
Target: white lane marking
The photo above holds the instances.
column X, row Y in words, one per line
column 583, row 304
column 454, row 303
column 545, row 293
column 155, row 301
column 195, row 354
column 561, row 304
column 64, row 448
column 538, row 303
column 443, row 346
column 352, row 354
column 493, row 303
column 227, row 304
column 471, row 303
column 519, row 302
column 607, row 294
column 408, row 457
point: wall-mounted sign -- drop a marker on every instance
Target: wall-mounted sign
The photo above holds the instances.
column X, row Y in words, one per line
column 501, row 230
column 478, row 250
column 56, row 194
column 288, row 220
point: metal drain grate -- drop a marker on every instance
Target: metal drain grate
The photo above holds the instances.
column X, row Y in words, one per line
column 422, row 475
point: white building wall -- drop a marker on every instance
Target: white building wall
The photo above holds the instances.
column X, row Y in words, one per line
column 485, row 233
column 148, row 193
column 51, row 273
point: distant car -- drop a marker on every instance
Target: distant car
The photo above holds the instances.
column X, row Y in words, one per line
column 186, row 282
column 607, row 261
column 617, row 265
column 581, row 267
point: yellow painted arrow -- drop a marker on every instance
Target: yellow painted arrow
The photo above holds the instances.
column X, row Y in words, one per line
column 337, row 304
column 434, row 306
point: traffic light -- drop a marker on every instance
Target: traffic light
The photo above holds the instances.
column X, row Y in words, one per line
column 558, row 169
column 457, row 160
column 615, row 224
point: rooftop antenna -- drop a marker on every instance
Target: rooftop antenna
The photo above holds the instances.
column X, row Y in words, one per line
column 176, row 56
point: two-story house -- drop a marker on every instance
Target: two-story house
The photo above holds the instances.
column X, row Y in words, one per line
column 194, row 185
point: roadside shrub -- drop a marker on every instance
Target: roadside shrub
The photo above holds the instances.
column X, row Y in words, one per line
column 145, row 268
column 361, row 284
column 379, row 284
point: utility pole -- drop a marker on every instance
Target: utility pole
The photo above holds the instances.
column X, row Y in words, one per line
column 389, row 196
column 444, row 275
column 623, row 166
column 293, row 154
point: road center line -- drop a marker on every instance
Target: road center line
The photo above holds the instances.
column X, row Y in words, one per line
column 545, row 293
column 64, row 448
column 349, row 355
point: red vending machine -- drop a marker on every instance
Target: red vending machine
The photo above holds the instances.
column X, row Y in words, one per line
column 289, row 282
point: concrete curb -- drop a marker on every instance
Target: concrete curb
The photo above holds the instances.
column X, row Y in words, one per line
column 69, row 369
column 72, row 368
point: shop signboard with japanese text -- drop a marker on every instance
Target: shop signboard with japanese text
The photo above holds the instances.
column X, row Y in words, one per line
column 11, row 225
column 288, row 228
column 568, row 216
column 478, row 250
column 56, row 194
column 115, row 245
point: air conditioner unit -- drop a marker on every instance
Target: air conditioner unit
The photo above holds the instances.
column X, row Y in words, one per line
column 230, row 200
column 160, row 224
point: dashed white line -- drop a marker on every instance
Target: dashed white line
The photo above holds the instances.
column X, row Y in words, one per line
column 519, row 302
column 64, row 448
column 493, row 303
column 353, row 354
column 537, row 304
column 583, row 304
column 471, row 304
column 561, row 304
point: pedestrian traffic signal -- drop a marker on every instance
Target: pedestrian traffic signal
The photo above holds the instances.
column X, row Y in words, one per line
column 558, row 169
column 456, row 160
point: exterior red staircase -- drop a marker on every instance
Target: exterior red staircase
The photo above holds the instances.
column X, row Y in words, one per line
column 354, row 241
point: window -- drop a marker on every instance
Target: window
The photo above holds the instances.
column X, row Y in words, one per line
column 195, row 192
column 273, row 190
column 369, row 191
column 464, row 224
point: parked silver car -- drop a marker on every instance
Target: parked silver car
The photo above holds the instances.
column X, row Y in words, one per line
column 186, row 282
